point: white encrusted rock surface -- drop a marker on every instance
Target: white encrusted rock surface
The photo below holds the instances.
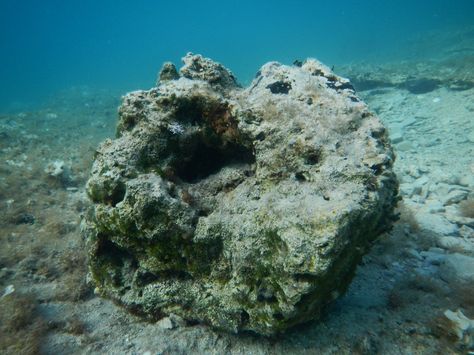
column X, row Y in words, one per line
column 247, row 209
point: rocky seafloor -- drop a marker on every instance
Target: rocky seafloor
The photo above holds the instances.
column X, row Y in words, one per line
column 411, row 294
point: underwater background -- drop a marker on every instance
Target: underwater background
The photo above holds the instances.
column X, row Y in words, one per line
column 64, row 66
column 51, row 45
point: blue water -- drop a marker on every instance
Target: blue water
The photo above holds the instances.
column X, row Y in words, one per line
column 50, row 45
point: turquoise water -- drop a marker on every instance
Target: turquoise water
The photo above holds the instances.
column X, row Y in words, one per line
column 51, row 45
column 63, row 68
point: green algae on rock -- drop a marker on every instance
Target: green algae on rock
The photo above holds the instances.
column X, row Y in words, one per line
column 246, row 209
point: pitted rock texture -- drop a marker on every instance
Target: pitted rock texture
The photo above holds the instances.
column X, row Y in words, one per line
column 246, row 209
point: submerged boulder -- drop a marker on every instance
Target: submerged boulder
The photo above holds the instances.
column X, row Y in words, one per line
column 246, row 209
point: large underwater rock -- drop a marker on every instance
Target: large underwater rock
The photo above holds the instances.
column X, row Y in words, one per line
column 246, row 209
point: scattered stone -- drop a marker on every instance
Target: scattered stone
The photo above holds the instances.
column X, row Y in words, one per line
column 462, row 326
column 9, row 203
column 8, row 290
column 459, row 220
column 408, row 122
column 404, row 146
column 55, row 169
column 466, row 181
column 171, row 322
column 466, row 232
column 415, row 254
column 438, row 189
column 410, row 189
column 435, row 206
column 434, row 256
column 457, row 267
column 454, row 196
column 58, row 172
column 396, row 137
column 254, row 214
column 414, row 171
column 17, row 164
column 165, row 323
column 421, row 185
column 435, row 224
column 456, row 243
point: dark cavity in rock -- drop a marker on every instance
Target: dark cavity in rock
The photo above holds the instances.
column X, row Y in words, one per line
column 279, row 87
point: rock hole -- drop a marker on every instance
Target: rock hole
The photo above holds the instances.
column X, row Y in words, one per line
column 117, row 195
column 244, row 318
column 145, row 278
column 207, row 160
column 190, row 110
column 266, row 295
column 192, row 322
column 300, row 176
column 210, row 139
column 23, row 218
column 278, row 316
column 312, row 158
column 113, row 254
column 175, row 274
column 302, row 277
column 298, row 63
column 377, row 169
column 203, row 213
column 317, row 72
column 337, row 85
column 119, row 263
column 279, row 87
column 260, row 136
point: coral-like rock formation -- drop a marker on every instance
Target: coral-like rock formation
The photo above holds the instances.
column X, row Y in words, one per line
column 246, row 209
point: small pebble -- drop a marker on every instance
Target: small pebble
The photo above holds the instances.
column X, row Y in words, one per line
column 8, row 290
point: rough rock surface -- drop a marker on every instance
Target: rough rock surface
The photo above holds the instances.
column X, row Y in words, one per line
column 247, row 209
